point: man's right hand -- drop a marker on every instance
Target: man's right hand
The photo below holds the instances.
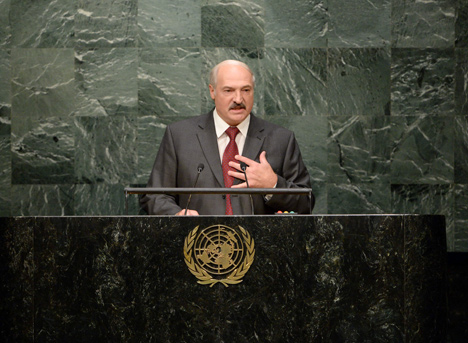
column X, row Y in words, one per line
column 189, row 213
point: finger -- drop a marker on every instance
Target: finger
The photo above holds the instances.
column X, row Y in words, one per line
column 263, row 157
column 246, row 160
column 189, row 213
column 237, row 175
column 240, row 185
column 235, row 165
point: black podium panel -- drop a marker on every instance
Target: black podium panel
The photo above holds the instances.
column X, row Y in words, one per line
column 313, row 279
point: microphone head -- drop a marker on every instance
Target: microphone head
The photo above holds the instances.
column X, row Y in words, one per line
column 243, row 166
column 200, row 167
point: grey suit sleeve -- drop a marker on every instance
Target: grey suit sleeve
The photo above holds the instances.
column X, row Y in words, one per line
column 163, row 174
column 293, row 174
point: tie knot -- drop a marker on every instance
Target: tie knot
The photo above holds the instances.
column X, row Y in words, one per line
column 232, row 132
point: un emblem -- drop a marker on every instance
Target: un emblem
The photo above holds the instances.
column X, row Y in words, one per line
column 219, row 253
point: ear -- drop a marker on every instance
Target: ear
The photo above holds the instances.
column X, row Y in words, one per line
column 212, row 92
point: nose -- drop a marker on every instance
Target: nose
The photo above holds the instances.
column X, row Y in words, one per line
column 238, row 97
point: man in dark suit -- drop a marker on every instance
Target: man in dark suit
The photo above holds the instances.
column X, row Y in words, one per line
column 270, row 152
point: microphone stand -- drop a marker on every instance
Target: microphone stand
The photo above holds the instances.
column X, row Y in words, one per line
column 244, row 167
column 200, row 167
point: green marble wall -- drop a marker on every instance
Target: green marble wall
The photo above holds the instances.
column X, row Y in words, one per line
column 376, row 91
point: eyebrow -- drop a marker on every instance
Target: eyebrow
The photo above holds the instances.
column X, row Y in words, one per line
column 230, row 87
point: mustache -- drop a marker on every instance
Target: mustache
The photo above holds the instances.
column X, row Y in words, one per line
column 234, row 105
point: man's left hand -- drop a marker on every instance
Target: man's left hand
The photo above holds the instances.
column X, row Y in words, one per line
column 259, row 174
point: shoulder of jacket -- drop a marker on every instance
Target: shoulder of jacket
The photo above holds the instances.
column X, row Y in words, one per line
column 268, row 126
column 189, row 123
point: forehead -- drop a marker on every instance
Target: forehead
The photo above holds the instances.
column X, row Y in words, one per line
column 234, row 75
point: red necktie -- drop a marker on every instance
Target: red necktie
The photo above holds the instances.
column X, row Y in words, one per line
column 229, row 153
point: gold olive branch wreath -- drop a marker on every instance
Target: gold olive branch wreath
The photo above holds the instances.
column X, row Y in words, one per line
column 202, row 275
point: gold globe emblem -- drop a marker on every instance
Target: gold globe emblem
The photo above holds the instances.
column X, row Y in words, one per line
column 219, row 253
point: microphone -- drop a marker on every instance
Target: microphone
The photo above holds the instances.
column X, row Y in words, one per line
column 200, row 168
column 244, row 166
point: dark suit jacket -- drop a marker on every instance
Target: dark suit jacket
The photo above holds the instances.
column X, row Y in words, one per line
column 190, row 142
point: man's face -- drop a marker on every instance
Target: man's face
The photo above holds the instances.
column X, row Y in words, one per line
column 234, row 93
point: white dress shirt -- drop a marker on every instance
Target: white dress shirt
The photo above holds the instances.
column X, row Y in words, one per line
column 223, row 139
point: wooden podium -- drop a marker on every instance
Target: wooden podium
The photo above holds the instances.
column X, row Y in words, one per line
column 350, row 278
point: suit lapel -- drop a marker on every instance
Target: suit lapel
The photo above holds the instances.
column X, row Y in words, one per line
column 255, row 138
column 209, row 144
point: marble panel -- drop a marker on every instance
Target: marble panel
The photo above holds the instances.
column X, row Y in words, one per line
column 132, row 202
column 422, row 150
column 320, row 191
column 105, row 150
column 311, row 133
column 251, row 57
column 418, row 248
column 169, row 23
column 237, row 24
column 296, row 24
column 461, row 81
column 42, row 86
column 42, row 200
column 313, row 318
column 111, row 266
column 45, row 154
column 359, row 149
column 43, row 24
column 461, row 151
column 169, row 82
column 5, row 27
column 17, row 282
column 372, row 255
column 329, row 279
column 53, row 244
column 106, row 81
column 358, row 198
column 100, row 199
column 5, row 169
column 423, row 24
column 457, row 264
column 106, row 23
column 358, row 82
column 295, row 82
column 422, row 81
column 461, row 218
column 359, row 23
column 5, row 85
column 426, row 199
column 461, row 24
column 150, row 133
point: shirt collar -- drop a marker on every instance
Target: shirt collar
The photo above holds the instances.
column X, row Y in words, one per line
column 221, row 126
